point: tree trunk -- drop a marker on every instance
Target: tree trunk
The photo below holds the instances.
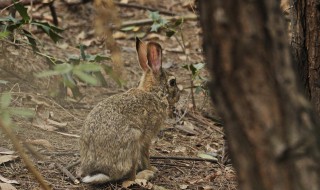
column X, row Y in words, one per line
column 270, row 126
column 306, row 44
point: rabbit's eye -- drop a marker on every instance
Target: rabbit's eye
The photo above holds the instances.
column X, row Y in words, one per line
column 172, row 82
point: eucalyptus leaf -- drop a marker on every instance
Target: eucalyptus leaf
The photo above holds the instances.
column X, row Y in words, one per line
column 23, row 11
column 3, row 82
column 63, row 68
column 23, row 112
column 5, row 118
column 89, row 67
column 5, row 100
column 46, row 73
column 85, row 77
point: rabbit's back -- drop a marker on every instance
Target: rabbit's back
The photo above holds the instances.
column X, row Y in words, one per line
column 115, row 131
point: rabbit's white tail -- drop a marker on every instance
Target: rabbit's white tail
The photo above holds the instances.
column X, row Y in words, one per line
column 96, row 179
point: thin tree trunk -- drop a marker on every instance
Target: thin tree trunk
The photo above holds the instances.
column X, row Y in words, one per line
column 270, row 126
column 306, row 43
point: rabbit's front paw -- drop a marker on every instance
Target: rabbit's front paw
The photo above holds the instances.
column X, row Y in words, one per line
column 146, row 174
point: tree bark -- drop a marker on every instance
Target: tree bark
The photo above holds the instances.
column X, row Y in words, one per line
column 306, row 44
column 271, row 127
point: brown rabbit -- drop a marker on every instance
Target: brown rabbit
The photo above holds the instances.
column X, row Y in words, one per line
column 117, row 133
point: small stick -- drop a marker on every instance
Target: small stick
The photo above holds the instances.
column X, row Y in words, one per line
column 144, row 7
column 67, row 173
column 184, row 158
column 73, row 164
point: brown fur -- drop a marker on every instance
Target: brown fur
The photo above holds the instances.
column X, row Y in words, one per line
column 117, row 133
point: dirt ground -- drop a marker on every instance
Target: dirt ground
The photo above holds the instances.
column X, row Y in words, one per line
column 18, row 64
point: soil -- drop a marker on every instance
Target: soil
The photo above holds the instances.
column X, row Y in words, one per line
column 185, row 135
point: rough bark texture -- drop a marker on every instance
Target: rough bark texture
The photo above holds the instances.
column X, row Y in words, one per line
column 306, row 44
column 270, row 126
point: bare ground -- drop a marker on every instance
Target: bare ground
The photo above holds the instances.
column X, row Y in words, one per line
column 18, row 65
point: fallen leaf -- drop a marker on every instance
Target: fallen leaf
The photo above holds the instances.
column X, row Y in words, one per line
column 119, row 35
column 5, row 151
column 207, row 187
column 180, row 149
column 81, row 36
column 155, row 36
column 144, row 183
column 182, row 57
column 183, row 186
column 41, row 142
column 41, row 119
column 167, row 65
column 145, row 174
column 175, row 50
column 7, row 158
column 7, row 186
column 127, row 183
column 207, row 156
column 5, row 180
column 187, row 127
column 157, row 187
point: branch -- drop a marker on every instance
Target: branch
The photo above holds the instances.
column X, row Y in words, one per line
column 131, row 5
column 150, row 21
column 32, row 169
column 184, row 158
column 67, row 173
column 6, row 4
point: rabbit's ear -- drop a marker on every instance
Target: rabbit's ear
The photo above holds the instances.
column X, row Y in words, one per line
column 142, row 54
column 154, row 56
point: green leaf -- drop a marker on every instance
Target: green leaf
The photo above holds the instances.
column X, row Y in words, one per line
column 23, row 112
column 31, row 40
column 5, row 100
column 3, row 82
column 155, row 27
column 163, row 21
column 199, row 66
column 46, row 73
column 170, row 33
column 128, row 28
column 8, row 19
column 90, row 67
column 85, row 77
column 22, row 11
column 50, row 30
column 96, row 58
column 83, row 55
column 5, row 118
column 74, row 59
column 4, row 34
column 63, row 68
column 178, row 22
column 154, row 15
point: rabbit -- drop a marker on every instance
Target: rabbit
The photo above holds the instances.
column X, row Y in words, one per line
column 116, row 135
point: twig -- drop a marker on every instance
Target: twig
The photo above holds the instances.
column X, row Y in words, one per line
column 137, row 6
column 73, row 164
column 183, row 158
column 192, row 94
column 32, row 169
column 150, row 21
column 7, row 4
column 67, row 173
column 53, row 13
column 206, row 123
